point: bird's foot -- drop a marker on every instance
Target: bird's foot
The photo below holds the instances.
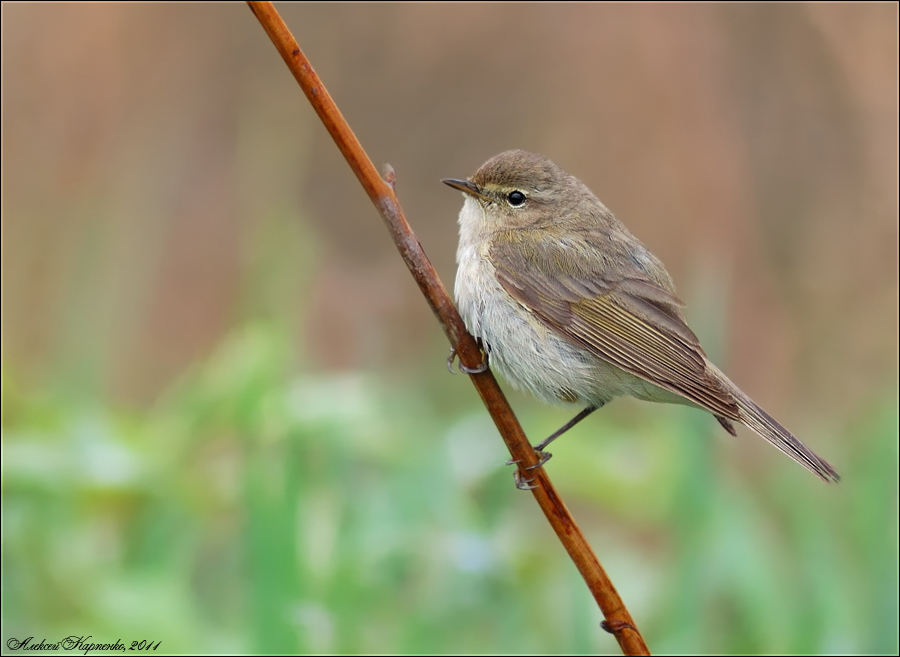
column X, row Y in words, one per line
column 478, row 369
column 543, row 457
column 522, row 484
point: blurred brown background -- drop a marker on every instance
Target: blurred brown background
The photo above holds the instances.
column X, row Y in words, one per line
column 175, row 468
column 144, row 146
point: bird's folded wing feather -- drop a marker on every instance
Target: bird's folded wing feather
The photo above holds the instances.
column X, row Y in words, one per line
column 623, row 316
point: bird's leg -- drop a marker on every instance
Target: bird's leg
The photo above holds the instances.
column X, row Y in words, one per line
column 545, row 456
column 523, row 484
column 568, row 425
column 478, row 369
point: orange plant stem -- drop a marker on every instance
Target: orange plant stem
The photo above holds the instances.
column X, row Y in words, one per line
column 618, row 620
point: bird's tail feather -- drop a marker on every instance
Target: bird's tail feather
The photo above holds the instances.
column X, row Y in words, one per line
column 767, row 427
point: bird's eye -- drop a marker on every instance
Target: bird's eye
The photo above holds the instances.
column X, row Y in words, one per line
column 515, row 198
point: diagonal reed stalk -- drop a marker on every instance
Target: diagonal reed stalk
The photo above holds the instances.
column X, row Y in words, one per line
column 381, row 192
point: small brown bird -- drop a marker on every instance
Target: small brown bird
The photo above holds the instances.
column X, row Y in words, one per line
column 572, row 308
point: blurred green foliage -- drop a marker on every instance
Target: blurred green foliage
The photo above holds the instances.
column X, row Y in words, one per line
column 257, row 510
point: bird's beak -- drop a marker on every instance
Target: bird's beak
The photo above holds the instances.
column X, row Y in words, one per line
column 465, row 186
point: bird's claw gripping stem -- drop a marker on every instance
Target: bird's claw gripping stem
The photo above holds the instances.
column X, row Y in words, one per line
column 481, row 367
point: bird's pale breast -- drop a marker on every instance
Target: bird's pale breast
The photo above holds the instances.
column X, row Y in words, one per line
column 531, row 356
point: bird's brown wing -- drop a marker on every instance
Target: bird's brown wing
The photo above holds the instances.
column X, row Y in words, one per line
column 623, row 315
